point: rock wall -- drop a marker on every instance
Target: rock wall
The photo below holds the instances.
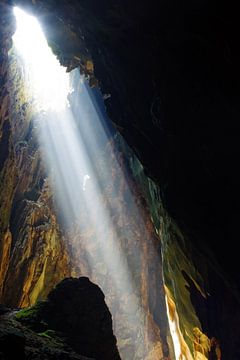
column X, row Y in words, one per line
column 33, row 256
column 7, row 160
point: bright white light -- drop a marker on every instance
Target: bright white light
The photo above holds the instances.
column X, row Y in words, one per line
column 85, row 179
column 47, row 79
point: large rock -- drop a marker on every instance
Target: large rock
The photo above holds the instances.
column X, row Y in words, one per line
column 76, row 310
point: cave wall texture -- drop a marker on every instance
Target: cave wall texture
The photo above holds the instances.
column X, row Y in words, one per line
column 171, row 69
column 28, row 225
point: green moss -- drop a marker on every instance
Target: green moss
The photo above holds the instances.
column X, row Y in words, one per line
column 48, row 334
column 32, row 313
column 33, row 317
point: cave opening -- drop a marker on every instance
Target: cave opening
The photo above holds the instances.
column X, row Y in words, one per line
column 47, row 80
column 83, row 156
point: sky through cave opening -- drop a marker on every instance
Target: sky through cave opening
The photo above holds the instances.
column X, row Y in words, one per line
column 91, row 185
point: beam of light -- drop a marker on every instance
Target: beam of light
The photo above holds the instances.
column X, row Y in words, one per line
column 71, row 140
column 49, row 82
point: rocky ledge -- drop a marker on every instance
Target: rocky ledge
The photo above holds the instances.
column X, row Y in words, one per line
column 73, row 323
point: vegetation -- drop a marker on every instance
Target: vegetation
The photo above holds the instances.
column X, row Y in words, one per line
column 48, row 334
column 33, row 317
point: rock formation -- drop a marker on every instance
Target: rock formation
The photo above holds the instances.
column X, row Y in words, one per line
column 74, row 321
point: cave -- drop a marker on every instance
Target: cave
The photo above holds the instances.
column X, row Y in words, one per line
column 119, row 189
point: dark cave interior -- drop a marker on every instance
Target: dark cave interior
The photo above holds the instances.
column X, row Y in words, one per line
column 171, row 70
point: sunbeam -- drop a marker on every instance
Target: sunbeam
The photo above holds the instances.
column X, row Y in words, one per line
column 48, row 81
column 73, row 136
